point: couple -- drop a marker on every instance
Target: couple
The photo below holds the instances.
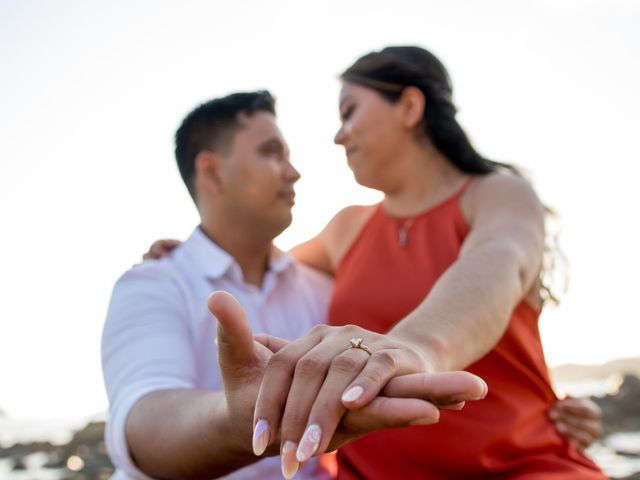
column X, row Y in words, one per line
column 442, row 275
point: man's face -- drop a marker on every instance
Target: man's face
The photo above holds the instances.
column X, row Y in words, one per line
column 257, row 178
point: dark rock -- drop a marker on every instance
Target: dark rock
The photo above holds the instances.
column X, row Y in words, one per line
column 633, row 476
column 621, row 411
column 87, row 443
column 56, row 459
column 22, row 449
column 19, row 464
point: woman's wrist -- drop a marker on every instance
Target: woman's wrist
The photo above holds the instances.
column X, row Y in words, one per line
column 428, row 346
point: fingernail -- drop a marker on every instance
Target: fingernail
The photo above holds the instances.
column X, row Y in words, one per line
column 260, row 437
column 456, row 406
column 309, row 443
column 289, row 462
column 424, row 421
column 352, row 394
column 553, row 415
column 486, row 388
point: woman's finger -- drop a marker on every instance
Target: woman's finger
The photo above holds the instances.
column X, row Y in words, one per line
column 381, row 367
column 580, row 438
column 160, row 248
column 272, row 342
column 592, row 428
column 322, row 410
column 275, row 386
column 582, row 407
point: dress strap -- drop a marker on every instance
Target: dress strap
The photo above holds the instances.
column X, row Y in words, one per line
column 464, row 186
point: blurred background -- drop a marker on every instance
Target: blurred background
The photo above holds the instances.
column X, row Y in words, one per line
column 91, row 94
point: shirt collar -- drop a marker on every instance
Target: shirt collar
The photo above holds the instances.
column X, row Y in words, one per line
column 214, row 262
column 279, row 260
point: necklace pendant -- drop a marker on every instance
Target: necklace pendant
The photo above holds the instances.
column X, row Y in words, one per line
column 402, row 237
column 403, row 232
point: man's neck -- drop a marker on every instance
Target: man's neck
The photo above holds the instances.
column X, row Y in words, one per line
column 251, row 253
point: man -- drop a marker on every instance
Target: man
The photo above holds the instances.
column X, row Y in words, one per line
column 173, row 412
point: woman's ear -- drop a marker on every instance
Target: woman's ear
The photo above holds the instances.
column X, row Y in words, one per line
column 413, row 106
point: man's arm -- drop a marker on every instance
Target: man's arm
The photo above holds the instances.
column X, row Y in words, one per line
column 186, row 434
column 160, row 423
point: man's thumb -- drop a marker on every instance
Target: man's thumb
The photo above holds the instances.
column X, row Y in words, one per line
column 235, row 339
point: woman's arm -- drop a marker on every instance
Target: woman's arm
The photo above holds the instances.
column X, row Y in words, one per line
column 469, row 307
column 325, row 251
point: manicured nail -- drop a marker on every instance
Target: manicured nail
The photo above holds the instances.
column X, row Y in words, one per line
column 486, row 389
column 309, row 443
column 352, row 394
column 456, row 406
column 260, row 437
column 289, row 463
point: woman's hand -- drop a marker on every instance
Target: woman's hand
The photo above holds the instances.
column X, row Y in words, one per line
column 160, row 248
column 311, row 382
column 578, row 419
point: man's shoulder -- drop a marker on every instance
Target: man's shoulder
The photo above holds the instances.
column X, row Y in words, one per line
column 311, row 273
column 158, row 271
column 152, row 277
column 312, row 276
column 153, row 288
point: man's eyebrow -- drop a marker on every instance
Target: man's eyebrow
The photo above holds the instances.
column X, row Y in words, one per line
column 271, row 141
column 274, row 141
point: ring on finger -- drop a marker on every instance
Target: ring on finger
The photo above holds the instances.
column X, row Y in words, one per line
column 357, row 343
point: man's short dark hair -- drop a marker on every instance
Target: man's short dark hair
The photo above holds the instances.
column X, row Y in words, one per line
column 212, row 125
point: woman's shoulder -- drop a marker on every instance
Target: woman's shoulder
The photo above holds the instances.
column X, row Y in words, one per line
column 503, row 181
column 353, row 213
column 495, row 190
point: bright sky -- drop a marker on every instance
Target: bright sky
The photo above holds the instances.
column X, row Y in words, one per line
column 91, row 93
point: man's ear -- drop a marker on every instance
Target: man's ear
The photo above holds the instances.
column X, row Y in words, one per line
column 208, row 173
column 412, row 103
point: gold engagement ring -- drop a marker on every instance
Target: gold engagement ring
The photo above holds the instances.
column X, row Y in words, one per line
column 357, row 343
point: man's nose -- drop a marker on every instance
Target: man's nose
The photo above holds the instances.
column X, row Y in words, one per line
column 291, row 173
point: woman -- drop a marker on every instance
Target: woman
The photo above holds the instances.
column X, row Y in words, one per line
column 442, row 275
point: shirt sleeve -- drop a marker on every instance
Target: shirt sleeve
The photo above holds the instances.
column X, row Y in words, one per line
column 146, row 347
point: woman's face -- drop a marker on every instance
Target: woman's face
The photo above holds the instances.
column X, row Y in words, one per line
column 372, row 134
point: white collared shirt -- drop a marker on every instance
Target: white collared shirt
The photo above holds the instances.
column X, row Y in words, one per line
column 159, row 334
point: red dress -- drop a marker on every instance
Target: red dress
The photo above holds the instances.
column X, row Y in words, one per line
column 506, row 435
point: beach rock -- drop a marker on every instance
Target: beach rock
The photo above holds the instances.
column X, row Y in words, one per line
column 621, row 411
column 87, row 444
column 19, row 463
column 23, row 449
